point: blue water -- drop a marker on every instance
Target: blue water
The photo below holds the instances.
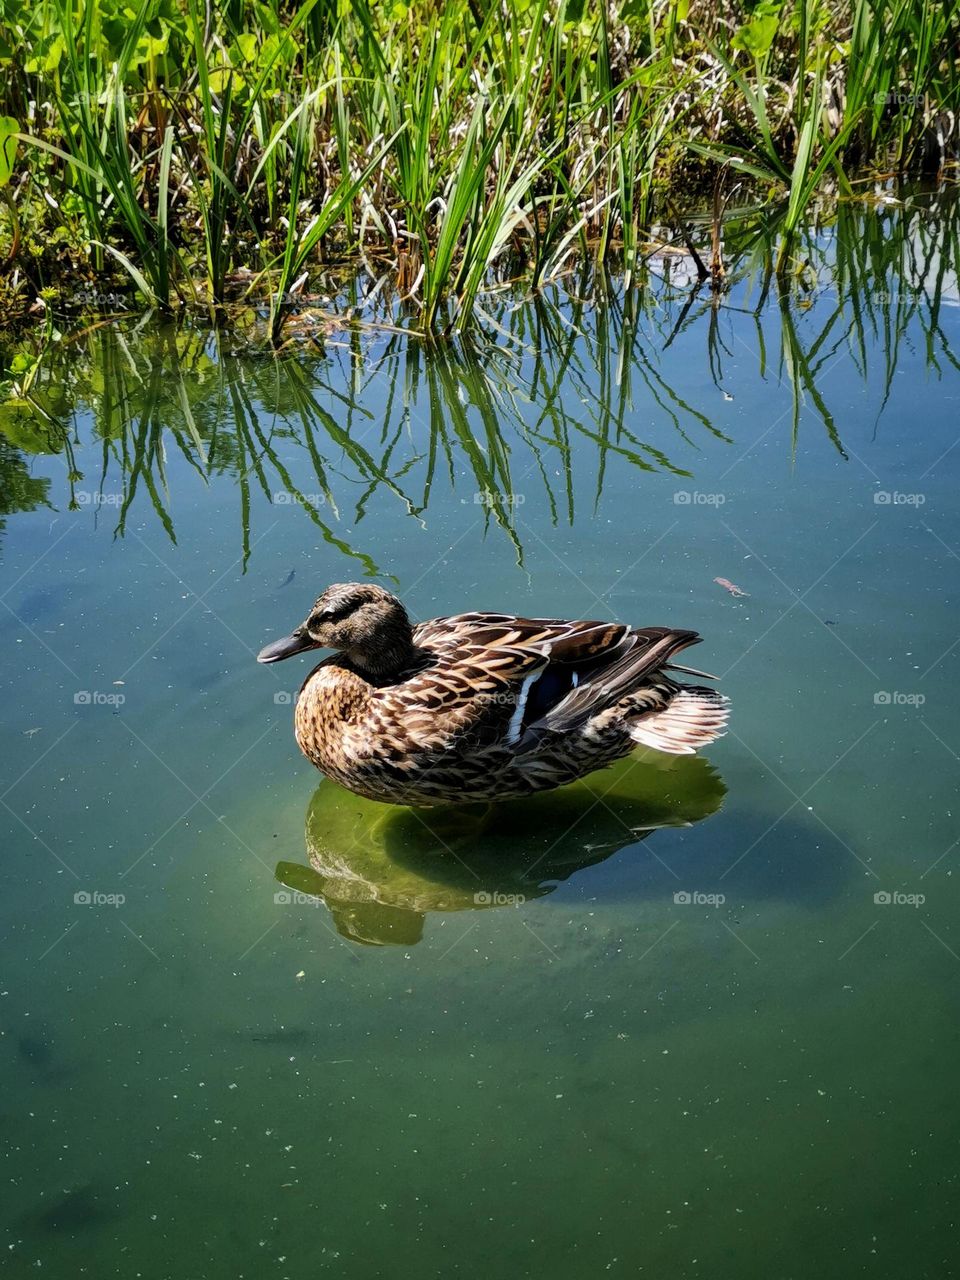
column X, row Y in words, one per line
column 215, row 1070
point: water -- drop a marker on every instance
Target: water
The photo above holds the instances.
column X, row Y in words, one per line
column 292, row 1031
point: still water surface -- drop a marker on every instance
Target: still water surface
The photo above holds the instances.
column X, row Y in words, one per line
column 658, row 1024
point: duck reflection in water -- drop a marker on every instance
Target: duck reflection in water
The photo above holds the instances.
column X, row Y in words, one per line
column 381, row 873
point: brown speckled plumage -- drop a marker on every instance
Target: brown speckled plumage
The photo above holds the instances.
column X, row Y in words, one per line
column 484, row 706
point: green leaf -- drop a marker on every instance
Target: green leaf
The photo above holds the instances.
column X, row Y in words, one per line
column 9, row 128
column 54, row 54
column 756, row 36
column 247, row 46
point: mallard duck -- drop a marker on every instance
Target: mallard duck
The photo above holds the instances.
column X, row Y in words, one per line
column 484, row 706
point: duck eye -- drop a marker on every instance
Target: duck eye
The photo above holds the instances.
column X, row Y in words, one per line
column 331, row 615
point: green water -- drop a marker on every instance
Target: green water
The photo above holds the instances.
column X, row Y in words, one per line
column 317, row 1036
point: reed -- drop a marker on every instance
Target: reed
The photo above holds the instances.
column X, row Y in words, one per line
column 213, row 154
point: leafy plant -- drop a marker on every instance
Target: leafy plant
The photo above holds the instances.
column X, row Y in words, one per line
column 218, row 153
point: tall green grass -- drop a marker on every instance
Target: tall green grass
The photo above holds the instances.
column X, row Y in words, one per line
column 218, row 153
column 177, row 391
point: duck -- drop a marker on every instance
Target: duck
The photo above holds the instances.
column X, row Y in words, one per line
column 481, row 707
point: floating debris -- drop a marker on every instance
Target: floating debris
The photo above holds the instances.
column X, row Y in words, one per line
column 730, row 586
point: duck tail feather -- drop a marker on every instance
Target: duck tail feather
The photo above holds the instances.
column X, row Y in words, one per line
column 695, row 717
column 689, row 671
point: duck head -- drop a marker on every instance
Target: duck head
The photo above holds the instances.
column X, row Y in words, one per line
column 360, row 620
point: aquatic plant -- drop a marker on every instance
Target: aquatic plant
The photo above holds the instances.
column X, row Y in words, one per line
column 554, row 393
column 215, row 154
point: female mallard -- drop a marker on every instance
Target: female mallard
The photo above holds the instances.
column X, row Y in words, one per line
column 484, row 706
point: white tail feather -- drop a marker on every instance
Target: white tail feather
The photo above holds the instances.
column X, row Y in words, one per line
column 694, row 718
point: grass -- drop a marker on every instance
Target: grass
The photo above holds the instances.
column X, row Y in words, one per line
column 552, row 394
column 210, row 155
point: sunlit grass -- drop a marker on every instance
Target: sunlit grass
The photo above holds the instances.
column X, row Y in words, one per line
column 211, row 154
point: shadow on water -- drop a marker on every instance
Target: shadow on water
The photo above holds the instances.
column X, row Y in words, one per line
column 36, row 1056
column 382, row 870
column 543, row 393
column 70, row 1213
column 36, row 1050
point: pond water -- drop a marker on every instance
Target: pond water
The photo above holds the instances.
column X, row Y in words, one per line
column 690, row 1017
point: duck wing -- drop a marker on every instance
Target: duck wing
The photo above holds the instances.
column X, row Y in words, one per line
column 562, row 673
column 506, row 630
column 631, row 661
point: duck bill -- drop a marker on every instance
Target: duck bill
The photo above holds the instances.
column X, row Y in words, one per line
column 298, row 642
